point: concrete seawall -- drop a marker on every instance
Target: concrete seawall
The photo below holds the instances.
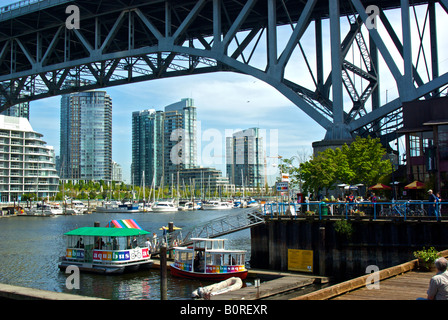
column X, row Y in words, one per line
column 10, row 292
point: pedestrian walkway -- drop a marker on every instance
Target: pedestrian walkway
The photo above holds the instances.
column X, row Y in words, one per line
column 400, row 282
column 409, row 286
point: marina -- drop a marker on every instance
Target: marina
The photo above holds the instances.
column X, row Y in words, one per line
column 30, row 259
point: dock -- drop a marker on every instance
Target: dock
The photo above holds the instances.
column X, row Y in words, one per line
column 409, row 286
column 402, row 282
column 272, row 283
column 266, row 289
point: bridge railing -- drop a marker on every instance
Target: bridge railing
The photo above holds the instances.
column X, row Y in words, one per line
column 18, row 5
column 404, row 209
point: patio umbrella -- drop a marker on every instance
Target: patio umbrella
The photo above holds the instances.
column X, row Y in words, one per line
column 415, row 185
column 380, row 186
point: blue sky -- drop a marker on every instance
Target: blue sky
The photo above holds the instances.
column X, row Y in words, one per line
column 229, row 101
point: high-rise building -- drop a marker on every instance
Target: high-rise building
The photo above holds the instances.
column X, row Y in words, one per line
column 86, row 136
column 117, row 172
column 245, row 158
column 21, row 110
column 27, row 164
column 163, row 143
column 180, row 147
column 147, row 146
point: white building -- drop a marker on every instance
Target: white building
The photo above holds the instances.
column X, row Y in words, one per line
column 27, row 164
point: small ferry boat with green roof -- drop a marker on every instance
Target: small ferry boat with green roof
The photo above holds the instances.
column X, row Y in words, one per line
column 106, row 250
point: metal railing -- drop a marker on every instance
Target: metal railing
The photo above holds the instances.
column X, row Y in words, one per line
column 374, row 210
column 240, row 220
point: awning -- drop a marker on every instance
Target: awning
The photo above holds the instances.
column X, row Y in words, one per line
column 124, row 224
column 380, row 186
column 105, row 232
column 415, row 185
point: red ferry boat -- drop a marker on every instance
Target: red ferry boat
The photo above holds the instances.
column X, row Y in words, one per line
column 207, row 259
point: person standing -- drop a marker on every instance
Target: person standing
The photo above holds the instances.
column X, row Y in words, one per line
column 432, row 199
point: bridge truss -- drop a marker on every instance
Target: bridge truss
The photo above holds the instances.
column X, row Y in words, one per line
column 281, row 42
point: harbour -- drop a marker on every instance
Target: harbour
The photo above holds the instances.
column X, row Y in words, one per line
column 31, row 248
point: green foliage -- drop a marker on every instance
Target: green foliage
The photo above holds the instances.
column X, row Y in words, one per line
column 427, row 255
column 361, row 162
column 343, row 227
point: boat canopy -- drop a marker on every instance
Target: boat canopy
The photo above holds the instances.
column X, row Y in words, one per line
column 106, row 232
column 127, row 223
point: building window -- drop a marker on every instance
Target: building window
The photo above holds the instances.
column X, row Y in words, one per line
column 443, row 142
column 415, row 149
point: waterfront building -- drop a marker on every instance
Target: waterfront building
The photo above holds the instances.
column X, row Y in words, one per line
column 245, row 158
column 208, row 181
column 86, row 136
column 27, row 164
column 147, row 147
column 163, row 143
column 21, row 110
column 117, row 172
column 180, row 146
column 425, row 128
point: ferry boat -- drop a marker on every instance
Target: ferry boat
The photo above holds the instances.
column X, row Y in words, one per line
column 107, row 250
column 207, row 259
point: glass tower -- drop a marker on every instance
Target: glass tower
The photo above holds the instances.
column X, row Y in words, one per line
column 86, row 136
column 147, row 151
column 163, row 143
column 245, row 158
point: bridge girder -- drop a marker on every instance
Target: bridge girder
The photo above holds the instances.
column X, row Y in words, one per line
column 128, row 41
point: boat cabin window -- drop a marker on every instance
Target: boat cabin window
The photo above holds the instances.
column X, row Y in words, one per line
column 199, row 245
column 105, row 243
column 209, row 245
column 184, row 257
column 233, row 259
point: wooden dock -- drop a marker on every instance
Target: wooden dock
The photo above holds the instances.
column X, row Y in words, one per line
column 266, row 289
column 401, row 282
column 409, row 286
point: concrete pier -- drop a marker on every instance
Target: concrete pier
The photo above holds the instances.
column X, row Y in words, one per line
column 11, row 292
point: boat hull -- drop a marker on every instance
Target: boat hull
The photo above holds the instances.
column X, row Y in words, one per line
column 104, row 269
column 206, row 276
column 164, row 210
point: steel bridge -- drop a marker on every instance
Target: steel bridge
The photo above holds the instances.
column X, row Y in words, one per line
column 43, row 54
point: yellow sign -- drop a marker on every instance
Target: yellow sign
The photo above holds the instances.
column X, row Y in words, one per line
column 300, row 260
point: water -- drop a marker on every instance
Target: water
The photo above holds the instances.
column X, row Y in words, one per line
column 30, row 248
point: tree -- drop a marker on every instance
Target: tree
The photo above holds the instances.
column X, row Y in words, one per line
column 361, row 162
column 366, row 159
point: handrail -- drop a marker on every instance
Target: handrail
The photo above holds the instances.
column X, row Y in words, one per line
column 393, row 209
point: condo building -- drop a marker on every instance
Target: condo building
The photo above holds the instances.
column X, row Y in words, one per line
column 27, row 164
column 245, row 158
column 86, row 136
column 163, row 143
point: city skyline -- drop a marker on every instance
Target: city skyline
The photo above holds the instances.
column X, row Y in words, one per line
column 230, row 101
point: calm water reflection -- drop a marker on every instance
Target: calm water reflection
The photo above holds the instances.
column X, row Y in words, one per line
column 31, row 246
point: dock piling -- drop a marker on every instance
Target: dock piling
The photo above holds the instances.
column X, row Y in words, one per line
column 163, row 273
